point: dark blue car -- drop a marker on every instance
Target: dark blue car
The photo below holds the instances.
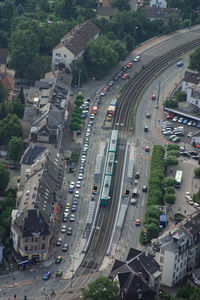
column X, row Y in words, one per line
column 47, row 275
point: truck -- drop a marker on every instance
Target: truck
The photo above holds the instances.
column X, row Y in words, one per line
column 95, row 109
column 111, row 109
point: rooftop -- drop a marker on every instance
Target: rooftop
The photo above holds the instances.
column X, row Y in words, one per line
column 3, row 55
column 76, row 40
column 161, row 13
column 192, row 77
column 31, row 153
column 107, row 11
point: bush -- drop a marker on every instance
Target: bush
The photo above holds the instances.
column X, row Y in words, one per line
column 171, row 161
column 173, row 147
column 197, row 172
column 180, row 96
column 170, row 190
column 172, row 152
column 171, row 103
column 169, row 181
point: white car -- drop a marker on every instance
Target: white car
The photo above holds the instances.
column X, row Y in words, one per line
column 66, row 211
column 63, row 228
column 72, row 218
column 87, row 134
column 136, row 59
column 197, row 205
column 77, row 194
column 180, row 120
column 72, row 184
column 80, row 176
column 175, row 119
column 92, row 116
column 189, row 123
column 78, row 184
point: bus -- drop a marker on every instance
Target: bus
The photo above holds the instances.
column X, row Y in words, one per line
column 178, row 178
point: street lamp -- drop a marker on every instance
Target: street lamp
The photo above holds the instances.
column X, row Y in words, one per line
column 134, row 35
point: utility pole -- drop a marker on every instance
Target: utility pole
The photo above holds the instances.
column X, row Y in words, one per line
column 134, row 36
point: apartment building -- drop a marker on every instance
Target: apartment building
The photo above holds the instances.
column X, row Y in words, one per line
column 177, row 250
column 34, row 222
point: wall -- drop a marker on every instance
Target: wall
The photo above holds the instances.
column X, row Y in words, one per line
column 66, row 56
column 190, row 99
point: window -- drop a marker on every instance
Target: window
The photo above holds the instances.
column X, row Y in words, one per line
column 43, row 237
column 174, row 266
column 36, row 239
column 32, row 239
column 58, row 54
column 35, row 248
column 64, row 55
column 162, row 251
column 25, row 248
column 43, row 246
column 161, row 268
column 181, row 265
column 174, row 274
column 26, row 239
column 162, row 259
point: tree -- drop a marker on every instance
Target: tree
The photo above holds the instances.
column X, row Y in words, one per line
column 9, row 126
column 175, row 153
column 79, row 71
column 120, row 48
column 170, row 190
column 129, row 40
column 65, row 9
column 102, row 288
column 16, row 148
column 152, row 231
column 173, row 147
column 3, row 92
column 20, row 9
column 18, row 108
column 74, row 126
column 21, row 95
column 4, row 178
column 24, row 46
column 194, row 62
column 197, row 172
column 181, row 96
column 169, row 198
column 171, row 160
column 121, row 4
column 169, row 181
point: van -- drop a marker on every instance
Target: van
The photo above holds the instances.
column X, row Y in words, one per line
column 135, row 193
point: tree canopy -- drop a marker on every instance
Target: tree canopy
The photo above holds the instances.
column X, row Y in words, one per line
column 102, row 288
column 4, row 178
column 194, row 62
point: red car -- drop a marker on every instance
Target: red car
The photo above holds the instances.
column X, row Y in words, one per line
column 169, row 116
column 129, row 65
column 137, row 222
column 124, row 76
column 153, row 97
column 106, row 88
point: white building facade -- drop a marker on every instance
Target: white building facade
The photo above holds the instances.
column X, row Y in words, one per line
column 158, row 3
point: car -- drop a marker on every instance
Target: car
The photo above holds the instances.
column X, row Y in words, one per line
column 88, row 100
column 176, row 139
column 144, row 188
column 65, row 218
column 58, row 260
column 124, row 76
column 77, row 194
column 63, row 228
column 180, row 120
column 191, row 202
column 69, row 231
column 185, row 153
column 180, row 64
column 59, row 242
column 146, row 129
column 147, row 149
column 124, row 68
column 189, row 123
column 136, row 59
column 137, row 222
column 137, row 175
column 74, row 208
column 110, row 83
column 197, row 205
column 185, row 121
column 80, row 176
column 169, row 116
column 116, row 77
column 193, row 152
column 148, row 115
column 87, row 134
column 92, row 116
column 78, row 184
column 194, row 123
column 91, row 122
column 67, row 206
column 47, row 275
column 81, row 171
column 175, row 119
column 106, row 88
column 103, row 93
column 75, row 201
column 72, row 218
column 129, row 65
column 198, row 125
column 153, row 97
column 196, row 157
column 179, row 133
column 66, row 211
column 65, row 248
column 171, row 137
column 167, row 132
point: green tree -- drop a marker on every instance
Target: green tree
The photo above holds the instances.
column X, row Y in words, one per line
column 3, row 92
column 24, row 46
column 175, row 153
column 173, row 147
column 16, row 148
column 102, row 288
column 18, row 108
column 152, row 231
column 79, row 71
column 120, row 48
column 21, row 95
column 194, row 62
column 78, row 102
column 197, row 172
column 4, row 178
column 181, row 96
column 65, row 9
column 169, row 198
column 129, row 40
column 169, row 181
column 171, row 160
column 74, row 126
column 170, row 190
column 121, row 4
column 9, row 126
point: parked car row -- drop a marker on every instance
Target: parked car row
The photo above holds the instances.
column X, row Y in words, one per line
column 183, row 120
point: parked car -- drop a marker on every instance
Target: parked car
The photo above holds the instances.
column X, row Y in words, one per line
column 63, row 228
column 65, row 248
column 69, row 231
column 137, row 222
column 72, row 218
column 59, row 242
column 180, row 64
column 58, row 260
column 47, row 275
column 147, row 149
column 175, row 119
column 136, row 59
column 189, row 123
column 185, row 121
column 176, row 139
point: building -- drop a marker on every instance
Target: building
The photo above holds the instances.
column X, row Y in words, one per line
column 104, row 3
column 31, row 154
column 73, row 44
column 177, row 250
column 3, row 60
column 190, row 79
column 193, row 96
column 106, row 12
column 1, row 252
column 34, row 222
column 9, row 83
column 153, row 12
column 158, row 3
column 138, row 277
column 195, row 139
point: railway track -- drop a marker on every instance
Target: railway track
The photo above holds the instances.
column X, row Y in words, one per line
column 106, row 216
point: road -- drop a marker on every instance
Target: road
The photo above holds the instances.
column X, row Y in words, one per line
column 36, row 291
